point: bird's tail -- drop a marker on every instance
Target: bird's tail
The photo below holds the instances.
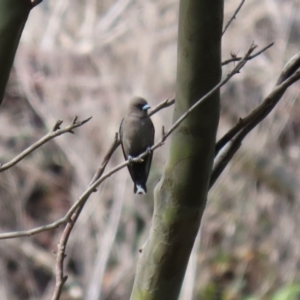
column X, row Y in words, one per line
column 140, row 189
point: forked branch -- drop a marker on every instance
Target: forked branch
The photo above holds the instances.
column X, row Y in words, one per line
column 235, row 58
column 54, row 132
column 73, row 213
column 96, row 182
column 232, row 140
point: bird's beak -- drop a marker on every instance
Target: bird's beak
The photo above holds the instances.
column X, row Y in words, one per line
column 146, row 107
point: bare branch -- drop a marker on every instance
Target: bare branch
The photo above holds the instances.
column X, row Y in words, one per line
column 60, row 255
column 22, row 233
column 61, row 247
column 161, row 105
column 106, row 159
column 236, row 135
column 163, row 133
column 96, row 182
column 57, row 125
column 164, row 104
column 236, row 58
column 54, row 132
column 233, row 16
column 99, row 172
column 99, row 177
column 236, row 70
column 288, row 70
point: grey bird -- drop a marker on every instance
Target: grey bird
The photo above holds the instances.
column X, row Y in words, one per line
column 137, row 135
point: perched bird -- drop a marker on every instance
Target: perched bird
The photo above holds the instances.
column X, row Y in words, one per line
column 137, row 135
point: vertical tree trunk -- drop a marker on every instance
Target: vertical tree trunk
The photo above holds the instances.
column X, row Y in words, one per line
column 13, row 16
column 180, row 196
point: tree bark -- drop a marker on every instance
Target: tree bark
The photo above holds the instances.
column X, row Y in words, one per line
column 180, row 196
column 13, row 16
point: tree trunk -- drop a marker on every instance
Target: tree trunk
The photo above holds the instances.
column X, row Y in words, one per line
column 13, row 16
column 180, row 196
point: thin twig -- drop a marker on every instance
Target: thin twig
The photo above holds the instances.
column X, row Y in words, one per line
column 61, row 247
column 97, row 175
column 113, row 147
column 236, row 70
column 82, row 199
column 288, row 70
column 236, row 58
column 87, row 193
column 233, row 16
column 22, row 233
column 116, row 143
column 60, row 255
column 54, row 132
column 237, row 134
column 60, row 278
column 161, row 105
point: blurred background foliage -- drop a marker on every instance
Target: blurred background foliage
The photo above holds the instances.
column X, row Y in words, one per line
column 88, row 58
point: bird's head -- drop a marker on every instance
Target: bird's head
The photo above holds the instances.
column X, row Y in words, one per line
column 138, row 107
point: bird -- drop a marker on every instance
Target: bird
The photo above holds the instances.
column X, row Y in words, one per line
column 137, row 136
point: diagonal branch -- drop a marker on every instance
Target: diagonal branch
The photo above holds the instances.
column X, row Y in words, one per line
column 54, row 132
column 74, row 212
column 235, row 71
column 233, row 16
column 60, row 255
column 95, row 183
column 113, row 147
column 236, row 58
column 97, row 175
column 289, row 69
column 60, row 278
column 61, row 247
column 235, row 136
column 161, row 105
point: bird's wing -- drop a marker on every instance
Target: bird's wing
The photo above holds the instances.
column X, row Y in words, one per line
column 148, row 158
column 123, row 150
column 152, row 130
column 121, row 138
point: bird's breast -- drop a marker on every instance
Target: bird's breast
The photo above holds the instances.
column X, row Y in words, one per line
column 139, row 137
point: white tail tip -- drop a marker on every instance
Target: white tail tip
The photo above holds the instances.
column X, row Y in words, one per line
column 140, row 190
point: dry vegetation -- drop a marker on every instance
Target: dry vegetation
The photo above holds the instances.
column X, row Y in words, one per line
column 88, row 58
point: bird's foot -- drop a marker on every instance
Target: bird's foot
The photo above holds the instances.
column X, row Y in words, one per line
column 130, row 158
column 149, row 150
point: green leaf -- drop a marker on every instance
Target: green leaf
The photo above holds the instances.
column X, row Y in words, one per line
column 289, row 292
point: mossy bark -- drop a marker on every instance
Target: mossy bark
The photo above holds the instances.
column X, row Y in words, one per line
column 180, row 196
column 13, row 16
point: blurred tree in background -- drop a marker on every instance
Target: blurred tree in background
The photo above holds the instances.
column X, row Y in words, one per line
column 88, row 58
